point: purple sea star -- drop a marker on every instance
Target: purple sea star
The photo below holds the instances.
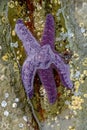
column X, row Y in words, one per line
column 42, row 58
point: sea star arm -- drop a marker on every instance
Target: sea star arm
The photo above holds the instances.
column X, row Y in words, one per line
column 63, row 70
column 48, row 36
column 29, row 42
column 47, row 79
column 28, row 73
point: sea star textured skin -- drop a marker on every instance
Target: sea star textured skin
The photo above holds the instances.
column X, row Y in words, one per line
column 41, row 58
column 46, row 75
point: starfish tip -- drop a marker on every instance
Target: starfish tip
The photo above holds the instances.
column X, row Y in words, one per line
column 19, row 21
column 49, row 15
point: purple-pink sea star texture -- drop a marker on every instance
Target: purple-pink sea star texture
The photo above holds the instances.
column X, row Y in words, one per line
column 42, row 58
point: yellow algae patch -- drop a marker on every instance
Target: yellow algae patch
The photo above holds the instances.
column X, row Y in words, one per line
column 5, row 57
column 85, row 72
column 13, row 33
column 76, row 56
column 16, row 3
column 71, row 128
column 76, row 103
column 3, row 19
column 85, row 95
column 11, row 4
column 77, row 84
column 82, row 76
column 85, row 62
